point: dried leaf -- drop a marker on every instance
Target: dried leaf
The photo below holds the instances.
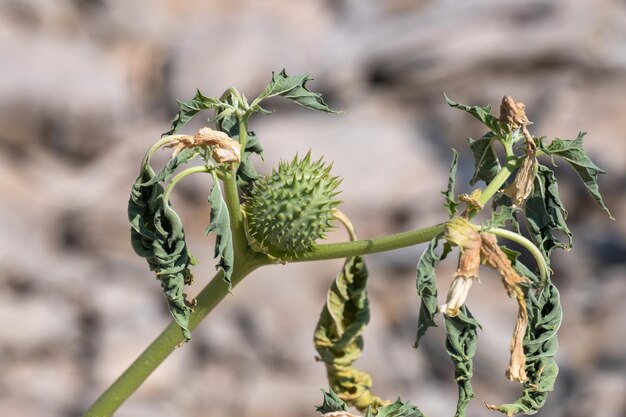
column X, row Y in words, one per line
column 224, row 149
column 522, row 185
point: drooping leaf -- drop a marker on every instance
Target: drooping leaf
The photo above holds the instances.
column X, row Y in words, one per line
column 486, row 161
column 426, row 284
column 540, row 346
column 158, row 236
column 164, row 174
column 338, row 339
column 246, row 173
column 332, row 403
column 220, row 224
column 450, row 203
column 572, row 151
column 399, row 409
column 188, row 109
column 461, row 341
column 546, row 214
column 294, row 88
column 483, row 114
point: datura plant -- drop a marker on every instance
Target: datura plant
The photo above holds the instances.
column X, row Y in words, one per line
column 284, row 216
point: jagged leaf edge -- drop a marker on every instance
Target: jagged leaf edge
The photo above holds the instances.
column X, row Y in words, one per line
column 426, row 285
column 294, row 88
column 188, row 109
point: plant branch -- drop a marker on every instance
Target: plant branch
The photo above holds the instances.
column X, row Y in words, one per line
column 168, row 341
column 367, row 246
column 182, row 174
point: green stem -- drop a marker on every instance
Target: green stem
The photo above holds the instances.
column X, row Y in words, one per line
column 161, row 142
column 367, row 246
column 529, row 246
column 180, row 176
column 167, row 341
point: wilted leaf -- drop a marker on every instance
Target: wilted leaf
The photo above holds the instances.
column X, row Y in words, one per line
column 188, row 109
column 486, row 161
column 338, row 339
column 546, row 214
column 572, row 151
column 461, row 342
column 220, row 224
column 540, row 346
column 157, row 235
column 427, row 289
column 294, row 88
column 450, row 204
column 246, row 173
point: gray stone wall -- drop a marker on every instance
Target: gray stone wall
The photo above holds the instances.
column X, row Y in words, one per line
column 86, row 86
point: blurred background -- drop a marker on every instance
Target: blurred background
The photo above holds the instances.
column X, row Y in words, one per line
column 86, row 86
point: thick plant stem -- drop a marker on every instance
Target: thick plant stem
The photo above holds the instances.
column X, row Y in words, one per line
column 166, row 342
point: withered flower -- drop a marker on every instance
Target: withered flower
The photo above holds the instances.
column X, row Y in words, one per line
column 223, row 148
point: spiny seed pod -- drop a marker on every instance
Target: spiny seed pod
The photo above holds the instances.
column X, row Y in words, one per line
column 289, row 209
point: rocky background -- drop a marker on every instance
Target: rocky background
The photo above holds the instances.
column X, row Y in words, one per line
column 86, row 86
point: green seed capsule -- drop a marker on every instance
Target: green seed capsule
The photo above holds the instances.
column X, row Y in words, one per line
column 289, row 209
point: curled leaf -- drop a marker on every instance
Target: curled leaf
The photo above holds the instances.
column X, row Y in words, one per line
column 449, row 203
column 158, row 236
column 426, row 284
column 461, row 342
column 338, row 339
column 220, row 224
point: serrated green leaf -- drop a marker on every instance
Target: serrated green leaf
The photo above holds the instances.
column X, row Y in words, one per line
column 450, row 203
column 486, row 161
column 426, row 284
column 188, row 109
column 338, row 338
column 546, row 214
column 294, row 88
column 540, row 346
column 461, row 342
column 483, row 114
column 501, row 217
column 399, row 409
column 332, row 403
column 183, row 157
column 572, row 151
column 220, row 225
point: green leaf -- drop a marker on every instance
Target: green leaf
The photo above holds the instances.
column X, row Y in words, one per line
column 461, row 341
column 220, row 224
column 246, row 173
column 501, row 217
column 486, row 161
column 332, row 403
column 158, row 236
column 168, row 170
column 338, row 338
column 294, row 88
column 188, row 109
column 450, row 203
column 546, row 214
column 426, row 284
column 399, row 409
column 572, row 151
column 483, row 114
column 540, row 346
